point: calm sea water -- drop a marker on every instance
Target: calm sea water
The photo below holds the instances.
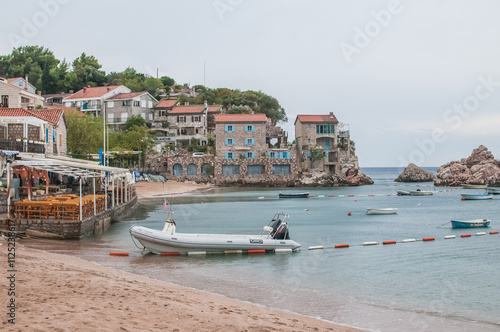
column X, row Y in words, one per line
column 443, row 285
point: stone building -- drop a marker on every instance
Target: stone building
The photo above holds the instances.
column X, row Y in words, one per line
column 91, row 100
column 319, row 141
column 13, row 96
column 37, row 130
column 125, row 105
column 245, row 152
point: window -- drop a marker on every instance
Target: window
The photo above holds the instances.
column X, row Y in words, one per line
column 229, row 155
column 143, row 115
column 308, row 126
column 177, row 171
column 150, row 117
column 191, row 169
column 255, row 169
column 181, row 119
column 143, row 103
column 250, row 155
column 273, row 155
column 308, row 140
column 281, row 169
column 249, row 129
column 229, row 141
column 111, row 104
column 124, row 116
column 250, row 141
column 284, row 155
column 5, row 101
column 229, row 129
column 325, row 129
column 196, row 118
column 136, row 103
column 111, row 117
column 46, row 135
column 60, row 140
column 230, row 169
column 206, row 169
column 150, row 104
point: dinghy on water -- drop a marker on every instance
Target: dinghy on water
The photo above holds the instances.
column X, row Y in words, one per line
column 476, row 196
column 273, row 237
column 381, row 211
column 470, row 223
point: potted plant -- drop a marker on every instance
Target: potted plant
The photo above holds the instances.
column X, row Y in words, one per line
column 30, row 141
column 18, row 139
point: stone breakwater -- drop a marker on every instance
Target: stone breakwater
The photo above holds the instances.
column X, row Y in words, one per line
column 480, row 167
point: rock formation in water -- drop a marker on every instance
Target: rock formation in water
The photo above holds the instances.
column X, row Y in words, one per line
column 479, row 168
column 349, row 175
column 413, row 173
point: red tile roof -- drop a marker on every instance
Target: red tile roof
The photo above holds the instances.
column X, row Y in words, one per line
column 129, row 95
column 240, row 118
column 317, row 118
column 166, row 103
column 10, row 80
column 95, row 92
column 65, row 109
column 48, row 115
column 190, row 109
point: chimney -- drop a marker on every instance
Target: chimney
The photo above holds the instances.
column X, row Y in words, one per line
column 331, row 115
column 108, row 89
column 39, row 93
column 84, row 90
column 71, row 91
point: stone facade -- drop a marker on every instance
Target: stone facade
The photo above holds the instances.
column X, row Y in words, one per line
column 15, row 97
column 125, row 105
column 313, row 132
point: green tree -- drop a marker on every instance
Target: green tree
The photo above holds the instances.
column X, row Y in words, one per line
column 316, row 154
column 88, row 73
column 134, row 121
column 154, row 86
column 84, row 134
column 167, row 81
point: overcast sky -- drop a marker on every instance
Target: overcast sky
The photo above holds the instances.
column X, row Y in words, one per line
column 417, row 81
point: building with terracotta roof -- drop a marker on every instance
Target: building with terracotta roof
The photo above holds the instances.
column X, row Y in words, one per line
column 182, row 123
column 20, row 82
column 124, row 105
column 91, row 100
column 15, row 97
column 250, row 149
column 34, row 130
column 319, row 134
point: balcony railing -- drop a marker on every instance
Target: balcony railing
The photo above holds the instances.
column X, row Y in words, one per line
column 21, row 146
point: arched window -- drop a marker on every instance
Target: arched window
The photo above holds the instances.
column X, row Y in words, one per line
column 207, row 169
column 177, row 170
column 191, row 169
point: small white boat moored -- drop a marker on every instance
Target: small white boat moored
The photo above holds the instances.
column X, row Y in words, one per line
column 381, row 211
column 470, row 223
column 476, row 196
column 419, row 192
column 493, row 190
column 273, row 237
column 403, row 192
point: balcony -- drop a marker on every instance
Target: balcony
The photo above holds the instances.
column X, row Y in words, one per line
column 21, row 146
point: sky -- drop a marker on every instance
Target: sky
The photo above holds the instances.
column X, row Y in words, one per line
column 415, row 81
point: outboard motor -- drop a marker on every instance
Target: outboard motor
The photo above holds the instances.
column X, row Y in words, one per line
column 280, row 231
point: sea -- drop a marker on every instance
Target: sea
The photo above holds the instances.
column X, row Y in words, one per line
column 439, row 285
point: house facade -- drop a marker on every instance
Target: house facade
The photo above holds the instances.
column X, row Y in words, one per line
column 246, row 154
column 124, row 105
column 91, row 100
column 12, row 96
column 317, row 138
column 21, row 83
column 184, row 123
column 36, row 131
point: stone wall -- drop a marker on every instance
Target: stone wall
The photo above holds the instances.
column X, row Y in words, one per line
column 15, row 130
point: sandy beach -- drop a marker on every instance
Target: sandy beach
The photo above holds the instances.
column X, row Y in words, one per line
column 156, row 189
column 56, row 292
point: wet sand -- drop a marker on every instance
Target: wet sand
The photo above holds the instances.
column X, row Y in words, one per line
column 158, row 189
column 56, row 292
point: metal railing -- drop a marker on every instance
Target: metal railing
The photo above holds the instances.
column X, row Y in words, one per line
column 21, row 146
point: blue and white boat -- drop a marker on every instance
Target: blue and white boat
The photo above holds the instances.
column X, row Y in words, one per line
column 294, row 195
column 470, row 223
column 476, row 196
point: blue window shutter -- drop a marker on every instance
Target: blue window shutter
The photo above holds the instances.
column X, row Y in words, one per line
column 226, row 155
column 253, row 141
column 309, row 154
column 225, row 128
column 226, row 141
column 46, row 135
column 326, row 154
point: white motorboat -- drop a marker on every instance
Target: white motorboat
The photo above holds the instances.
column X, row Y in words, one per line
column 419, row 192
column 493, row 190
column 403, row 192
column 381, row 211
column 274, row 237
column 476, row 196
